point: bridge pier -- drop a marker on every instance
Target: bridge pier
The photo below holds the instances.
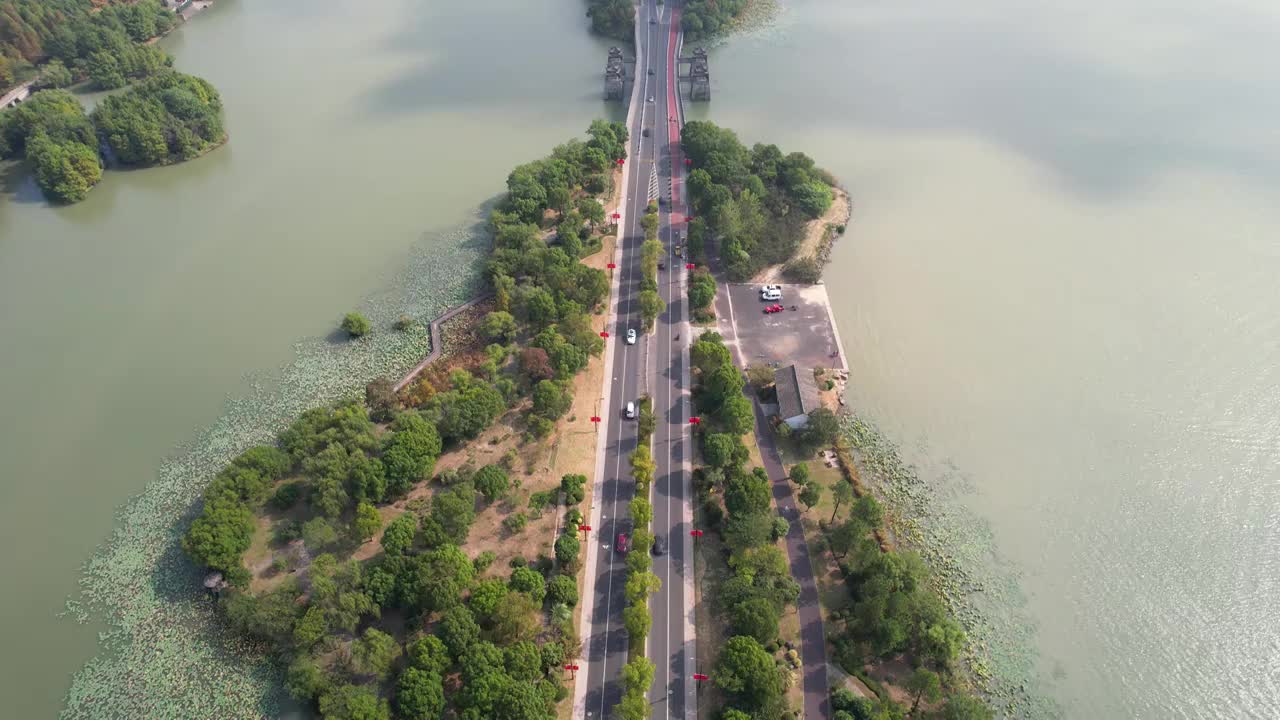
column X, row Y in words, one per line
column 694, row 71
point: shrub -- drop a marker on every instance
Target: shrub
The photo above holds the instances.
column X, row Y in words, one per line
column 483, row 561
column 286, row 496
column 355, row 325
column 574, row 488
column 515, row 522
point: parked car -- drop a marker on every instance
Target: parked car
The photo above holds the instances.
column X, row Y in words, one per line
column 631, row 336
column 659, row 546
column 631, row 411
column 768, row 295
column 621, row 544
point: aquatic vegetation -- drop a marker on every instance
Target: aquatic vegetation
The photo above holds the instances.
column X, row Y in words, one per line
column 981, row 591
column 162, row 645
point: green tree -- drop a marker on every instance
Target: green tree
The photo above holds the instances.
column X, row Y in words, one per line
column 492, row 482
column 516, row 619
column 567, row 549
column 523, row 661
column 319, row 534
column 304, row 679
column 592, row 211
column 374, row 653
column 351, row 702
column 737, row 414
column 574, row 488
column 800, row 473
column 551, row 400
column 747, row 674
column 562, row 590
column 367, row 522
column 651, row 306
column 443, row 575
column 397, row 539
column 310, row 629
column 220, row 535
column 355, row 324
column 498, row 326
column 419, row 695
column 811, row 494
column 841, row 492
column 55, row 75
column 429, row 654
column 636, row 620
column 486, row 597
column 757, row 618
column 458, row 630
column 923, row 684
column 821, row 430
column 529, row 582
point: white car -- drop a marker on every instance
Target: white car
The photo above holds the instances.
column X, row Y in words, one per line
column 631, row 336
column 770, row 288
column 771, row 292
column 650, row 98
column 631, row 411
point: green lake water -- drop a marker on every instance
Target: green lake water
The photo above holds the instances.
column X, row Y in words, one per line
column 365, row 139
column 1057, row 296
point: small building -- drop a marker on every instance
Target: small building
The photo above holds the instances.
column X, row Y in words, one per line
column 797, row 395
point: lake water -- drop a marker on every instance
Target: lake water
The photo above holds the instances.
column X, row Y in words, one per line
column 363, row 137
column 1059, row 297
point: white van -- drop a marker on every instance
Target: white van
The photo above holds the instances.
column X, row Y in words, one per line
column 631, row 411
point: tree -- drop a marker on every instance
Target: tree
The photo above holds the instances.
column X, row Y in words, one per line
column 551, row 400
column 747, row 674
column 747, row 493
column 562, row 589
column 319, row 534
column 747, row 530
column 443, row 575
column 498, row 326
column 567, row 549
column 592, row 211
column 651, row 306
column 757, row 618
column 737, row 414
column 574, row 488
column 759, row 375
column 536, row 365
column 452, row 512
column 811, row 495
column 458, row 630
column 841, row 492
column 636, row 620
column 800, row 473
column 491, row 481
column 410, row 453
column 374, row 653
column 55, row 75
column 397, row 539
column 304, row 679
column 943, row 641
column 724, row 450
column 516, row 619
column 530, row 582
column 380, row 396
column 351, row 702
column 221, row 534
column 821, row 429
column 923, row 684
column 367, row 522
column 429, row 654
column 487, row 596
column 846, row 536
column 419, row 695
column 523, row 661
column 355, row 324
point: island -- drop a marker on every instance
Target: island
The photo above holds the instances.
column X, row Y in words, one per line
column 163, row 117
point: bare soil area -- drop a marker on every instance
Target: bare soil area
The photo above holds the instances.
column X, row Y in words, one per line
column 816, row 233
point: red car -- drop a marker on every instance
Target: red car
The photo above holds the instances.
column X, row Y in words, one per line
column 621, row 543
column 770, row 309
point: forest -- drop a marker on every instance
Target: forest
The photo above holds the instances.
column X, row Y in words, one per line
column 166, row 118
column 701, row 19
column 753, row 201
column 96, row 40
column 420, row 624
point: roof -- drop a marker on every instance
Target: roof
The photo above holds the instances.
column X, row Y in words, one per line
column 797, row 392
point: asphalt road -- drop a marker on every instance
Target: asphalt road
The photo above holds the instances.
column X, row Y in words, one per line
column 671, row 641
column 605, row 644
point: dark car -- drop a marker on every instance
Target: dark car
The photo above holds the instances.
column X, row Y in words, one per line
column 650, row 71
column 645, row 132
column 621, row 543
column 659, row 546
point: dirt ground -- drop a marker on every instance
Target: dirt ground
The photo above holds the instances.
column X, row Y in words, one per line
column 814, row 232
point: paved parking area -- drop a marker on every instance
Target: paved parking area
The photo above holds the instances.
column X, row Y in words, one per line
column 804, row 336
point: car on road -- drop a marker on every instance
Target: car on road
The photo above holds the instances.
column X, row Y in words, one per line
column 631, row 411
column 650, row 71
column 650, row 98
column 621, row 544
column 659, row 546
column 631, row 336
column 645, row 132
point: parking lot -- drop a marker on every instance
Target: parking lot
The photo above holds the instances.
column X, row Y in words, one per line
column 803, row 336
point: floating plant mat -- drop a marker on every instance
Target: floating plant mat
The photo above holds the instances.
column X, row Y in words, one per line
column 165, row 654
column 981, row 589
